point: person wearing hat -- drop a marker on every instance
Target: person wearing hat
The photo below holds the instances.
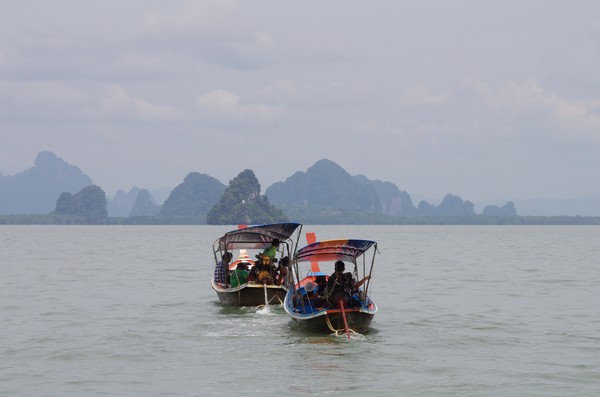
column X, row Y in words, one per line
column 310, row 289
column 303, row 297
column 243, row 257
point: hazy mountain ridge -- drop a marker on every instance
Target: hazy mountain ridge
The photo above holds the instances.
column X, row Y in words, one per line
column 36, row 191
column 575, row 206
column 144, row 205
column 122, row 203
column 326, row 187
column 195, row 196
column 392, row 200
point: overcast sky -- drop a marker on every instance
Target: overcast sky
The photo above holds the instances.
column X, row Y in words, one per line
column 482, row 99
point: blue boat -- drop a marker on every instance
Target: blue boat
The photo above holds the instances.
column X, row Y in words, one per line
column 320, row 302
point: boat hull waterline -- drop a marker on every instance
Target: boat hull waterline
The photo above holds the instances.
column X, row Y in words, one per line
column 332, row 321
column 250, row 294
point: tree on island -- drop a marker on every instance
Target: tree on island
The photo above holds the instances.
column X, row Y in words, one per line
column 89, row 205
column 242, row 203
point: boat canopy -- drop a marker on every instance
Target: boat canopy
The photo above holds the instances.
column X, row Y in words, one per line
column 333, row 250
column 256, row 237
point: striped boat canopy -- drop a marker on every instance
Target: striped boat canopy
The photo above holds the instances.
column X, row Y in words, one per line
column 257, row 237
column 333, row 250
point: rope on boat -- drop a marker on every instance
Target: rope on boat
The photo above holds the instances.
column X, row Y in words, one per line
column 278, row 298
column 337, row 331
column 272, row 299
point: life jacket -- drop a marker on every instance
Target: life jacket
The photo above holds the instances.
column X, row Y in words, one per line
column 264, row 277
column 263, row 271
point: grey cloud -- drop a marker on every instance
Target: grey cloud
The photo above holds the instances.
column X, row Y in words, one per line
column 470, row 98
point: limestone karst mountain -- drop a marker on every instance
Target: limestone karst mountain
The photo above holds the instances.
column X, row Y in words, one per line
column 35, row 190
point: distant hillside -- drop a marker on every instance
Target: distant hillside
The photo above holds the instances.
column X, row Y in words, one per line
column 86, row 207
column 450, row 206
column 507, row 209
column 122, row 203
column 194, row 197
column 36, row 190
column 327, row 192
column 242, row 203
column 325, row 185
column 144, row 205
column 392, row 200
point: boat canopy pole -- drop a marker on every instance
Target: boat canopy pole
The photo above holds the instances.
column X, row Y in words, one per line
column 371, row 270
column 364, row 269
column 295, row 246
column 297, row 281
column 294, row 264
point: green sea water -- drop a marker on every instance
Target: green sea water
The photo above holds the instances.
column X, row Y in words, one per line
column 463, row 311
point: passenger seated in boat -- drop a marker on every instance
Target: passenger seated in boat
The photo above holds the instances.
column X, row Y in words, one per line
column 310, row 289
column 319, row 299
column 252, row 274
column 303, row 299
column 321, row 283
column 282, row 271
column 222, row 270
column 271, row 251
column 264, row 270
column 341, row 286
column 240, row 275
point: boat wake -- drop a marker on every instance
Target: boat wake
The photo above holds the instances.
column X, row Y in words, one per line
column 354, row 336
column 264, row 310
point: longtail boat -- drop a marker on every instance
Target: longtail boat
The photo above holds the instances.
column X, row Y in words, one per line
column 338, row 302
column 247, row 244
